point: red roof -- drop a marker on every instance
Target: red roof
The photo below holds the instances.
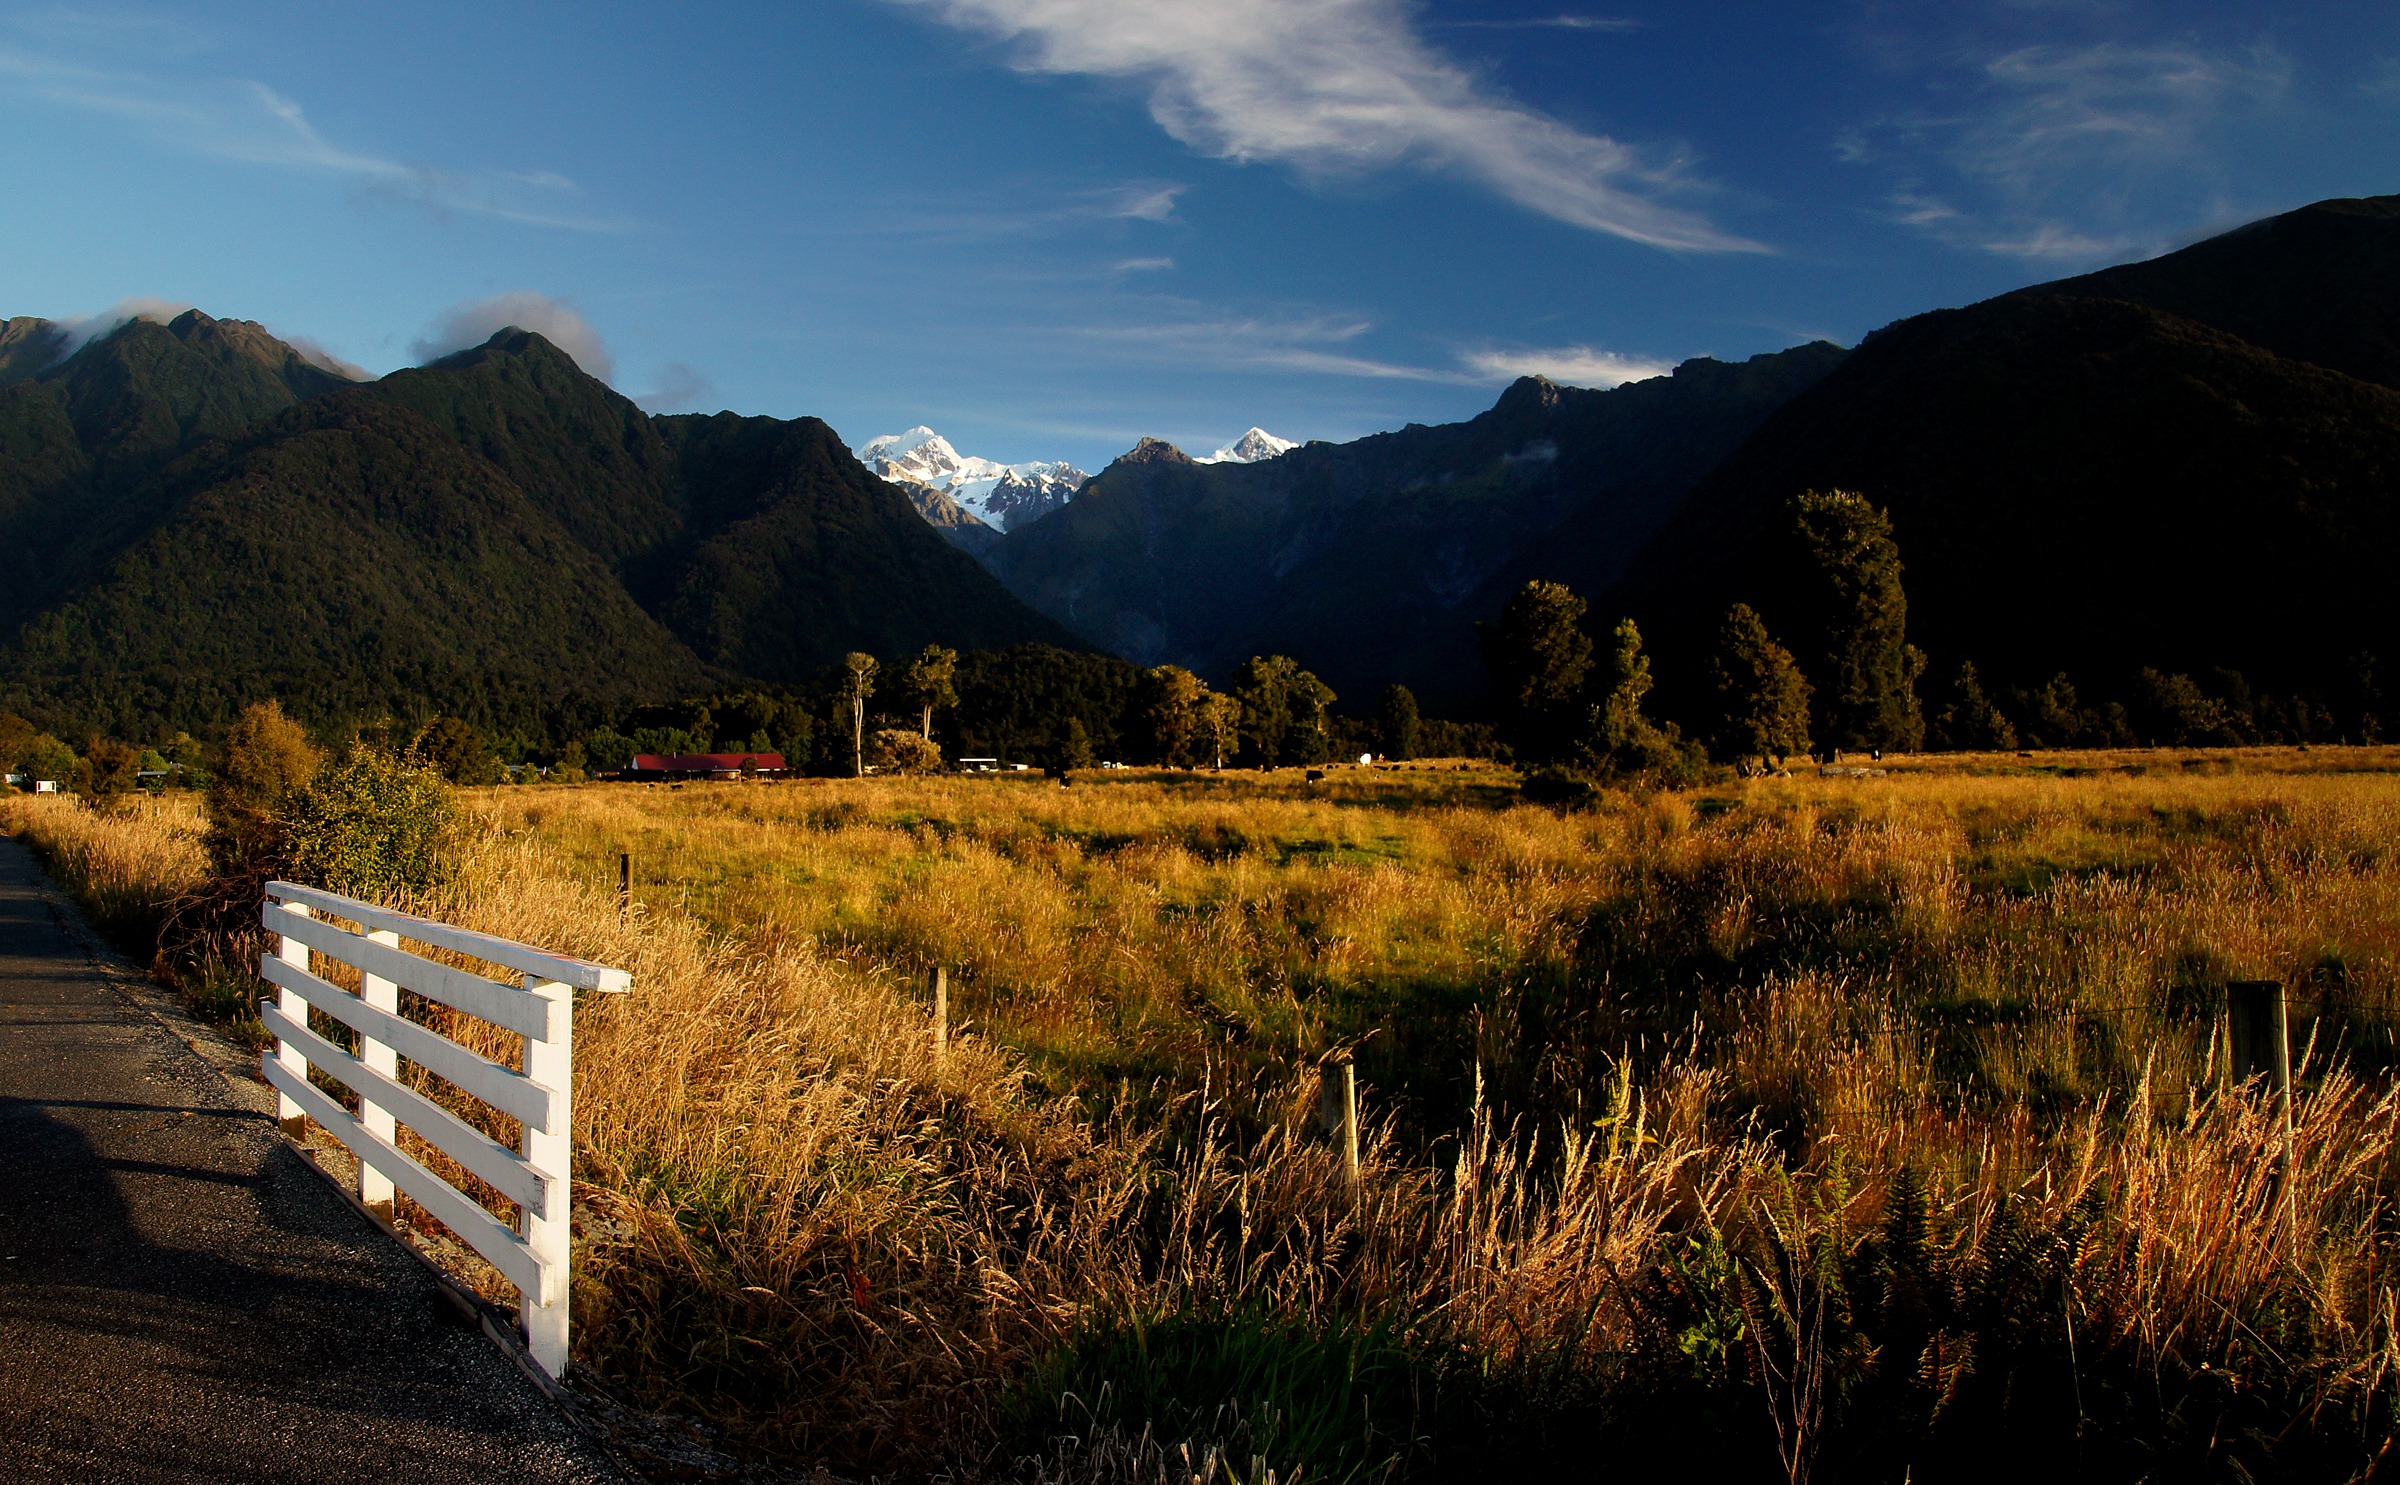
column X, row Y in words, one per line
column 705, row 762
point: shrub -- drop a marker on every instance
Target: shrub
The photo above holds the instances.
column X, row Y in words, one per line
column 896, row 750
column 110, row 770
column 460, row 751
column 267, row 760
column 373, row 826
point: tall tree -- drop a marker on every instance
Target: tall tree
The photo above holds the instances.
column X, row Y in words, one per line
column 1283, row 712
column 1619, row 740
column 929, row 682
column 1969, row 720
column 1310, row 735
column 1396, row 722
column 1539, row 658
column 1851, row 622
column 858, row 683
column 1762, row 698
column 1221, row 724
column 1172, row 703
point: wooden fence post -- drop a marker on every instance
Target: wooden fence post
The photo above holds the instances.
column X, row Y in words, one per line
column 2258, row 1036
column 2259, row 1044
column 374, row 1187
column 1350, row 1122
column 941, row 1014
column 550, row 1062
column 624, row 883
column 1337, row 1109
column 294, row 953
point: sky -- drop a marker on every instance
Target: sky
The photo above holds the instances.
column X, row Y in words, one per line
column 1050, row 227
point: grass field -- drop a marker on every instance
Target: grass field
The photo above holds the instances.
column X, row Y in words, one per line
column 1832, row 1127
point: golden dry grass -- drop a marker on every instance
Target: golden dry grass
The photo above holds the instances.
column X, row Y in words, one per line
column 1600, row 1047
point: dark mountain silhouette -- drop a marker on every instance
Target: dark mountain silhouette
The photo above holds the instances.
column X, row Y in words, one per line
column 2187, row 464
column 193, row 516
column 1369, row 561
column 761, row 542
column 2315, row 285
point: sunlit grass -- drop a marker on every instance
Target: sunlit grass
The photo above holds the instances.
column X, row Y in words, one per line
column 1598, row 1048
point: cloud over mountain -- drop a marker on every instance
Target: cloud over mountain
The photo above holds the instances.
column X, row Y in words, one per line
column 476, row 321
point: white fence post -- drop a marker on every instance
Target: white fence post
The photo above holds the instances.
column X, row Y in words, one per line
column 374, row 1187
column 550, row 1062
column 294, row 953
column 538, row 1176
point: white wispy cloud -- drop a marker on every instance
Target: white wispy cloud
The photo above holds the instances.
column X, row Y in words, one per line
column 246, row 120
column 478, row 320
column 1573, row 365
column 1339, row 86
column 81, row 330
column 2110, row 104
column 1551, row 23
column 1143, row 265
column 1332, row 344
column 1010, row 210
column 2069, row 153
column 680, row 388
column 1309, row 343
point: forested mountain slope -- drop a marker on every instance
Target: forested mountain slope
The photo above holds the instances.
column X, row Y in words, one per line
column 2092, row 485
column 2321, row 284
column 192, row 516
column 1369, row 561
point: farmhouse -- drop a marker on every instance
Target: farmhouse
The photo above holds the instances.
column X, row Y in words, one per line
column 647, row 767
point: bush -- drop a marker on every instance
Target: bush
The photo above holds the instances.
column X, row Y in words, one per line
column 460, row 751
column 373, row 826
column 896, row 750
column 110, row 770
column 268, row 759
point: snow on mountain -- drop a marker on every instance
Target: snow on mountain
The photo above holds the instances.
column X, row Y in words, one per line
column 1250, row 448
column 1002, row 496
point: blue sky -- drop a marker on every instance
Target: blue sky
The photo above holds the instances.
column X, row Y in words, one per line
column 1047, row 227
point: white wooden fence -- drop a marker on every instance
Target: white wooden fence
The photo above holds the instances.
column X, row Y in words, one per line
column 538, row 1092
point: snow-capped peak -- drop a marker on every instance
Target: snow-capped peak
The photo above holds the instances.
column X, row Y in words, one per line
column 1250, row 448
column 999, row 495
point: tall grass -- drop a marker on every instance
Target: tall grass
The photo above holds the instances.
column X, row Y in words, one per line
column 1805, row 1128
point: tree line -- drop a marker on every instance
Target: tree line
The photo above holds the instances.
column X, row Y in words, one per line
column 1819, row 662
column 1835, row 672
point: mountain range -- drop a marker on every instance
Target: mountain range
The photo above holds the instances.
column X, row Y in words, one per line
column 2188, row 463
column 193, row 516
column 973, row 501
column 986, row 493
column 1369, row 561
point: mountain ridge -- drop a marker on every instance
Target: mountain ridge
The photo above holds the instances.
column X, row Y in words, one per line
column 1368, row 561
column 201, row 516
column 2082, row 481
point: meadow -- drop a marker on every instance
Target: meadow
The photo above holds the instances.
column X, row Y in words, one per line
column 1822, row 1127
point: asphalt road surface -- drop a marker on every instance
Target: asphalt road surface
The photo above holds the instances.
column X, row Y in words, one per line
column 181, row 1298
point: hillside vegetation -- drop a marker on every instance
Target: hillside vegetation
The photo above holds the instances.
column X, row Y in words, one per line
column 1831, row 1128
column 1370, row 561
column 2183, row 465
column 193, row 517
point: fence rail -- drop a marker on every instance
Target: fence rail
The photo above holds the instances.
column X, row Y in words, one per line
column 538, row 1093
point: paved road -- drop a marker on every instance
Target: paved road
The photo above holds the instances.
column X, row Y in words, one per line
column 180, row 1297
